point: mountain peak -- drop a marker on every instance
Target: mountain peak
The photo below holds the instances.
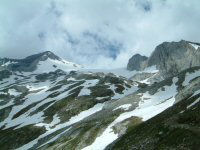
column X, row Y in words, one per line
column 136, row 61
column 48, row 53
column 42, row 62
column 173, row 57
column 42, row 56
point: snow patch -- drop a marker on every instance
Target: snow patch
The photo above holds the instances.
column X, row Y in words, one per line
column 125, row 107
column 13, row 92
column 52, row 65
column 86, row 85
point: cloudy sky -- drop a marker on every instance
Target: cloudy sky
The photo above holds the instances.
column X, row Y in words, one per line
column 97, row 33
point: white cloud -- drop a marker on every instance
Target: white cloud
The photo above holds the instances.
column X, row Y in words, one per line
column 95, row 32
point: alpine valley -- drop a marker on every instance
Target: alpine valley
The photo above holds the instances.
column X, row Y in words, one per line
column 48, row 103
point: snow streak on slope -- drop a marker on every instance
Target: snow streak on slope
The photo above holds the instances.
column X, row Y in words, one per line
column 125, row 107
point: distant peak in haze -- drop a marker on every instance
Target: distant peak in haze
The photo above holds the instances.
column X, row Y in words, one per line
column 41, row 62
column 43, row 56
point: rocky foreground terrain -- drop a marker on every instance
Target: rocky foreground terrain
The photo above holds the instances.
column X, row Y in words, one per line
column 49, row 103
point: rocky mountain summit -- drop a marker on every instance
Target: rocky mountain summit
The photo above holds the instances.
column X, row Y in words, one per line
column 136, row 62
column 47, row 59
column 170, row 58
column 173, row 57
column 49, row 103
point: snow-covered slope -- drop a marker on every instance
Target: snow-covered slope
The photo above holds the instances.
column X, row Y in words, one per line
column 175, row 128
column 52, row 65
column 54, row 101
column 150, row 105
column 53, row 107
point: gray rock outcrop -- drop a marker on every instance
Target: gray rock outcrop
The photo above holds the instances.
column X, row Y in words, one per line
column 136, row 62
column 173, row 57
column 170, row 58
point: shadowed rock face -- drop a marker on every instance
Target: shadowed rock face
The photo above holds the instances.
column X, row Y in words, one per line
column 173, row 57
column 136, row 62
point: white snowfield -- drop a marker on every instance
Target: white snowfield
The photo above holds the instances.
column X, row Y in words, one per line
column 52, row 65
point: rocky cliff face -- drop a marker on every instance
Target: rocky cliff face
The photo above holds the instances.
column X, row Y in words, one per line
column 170, row 58
column 173, row 57
column 136, row 62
